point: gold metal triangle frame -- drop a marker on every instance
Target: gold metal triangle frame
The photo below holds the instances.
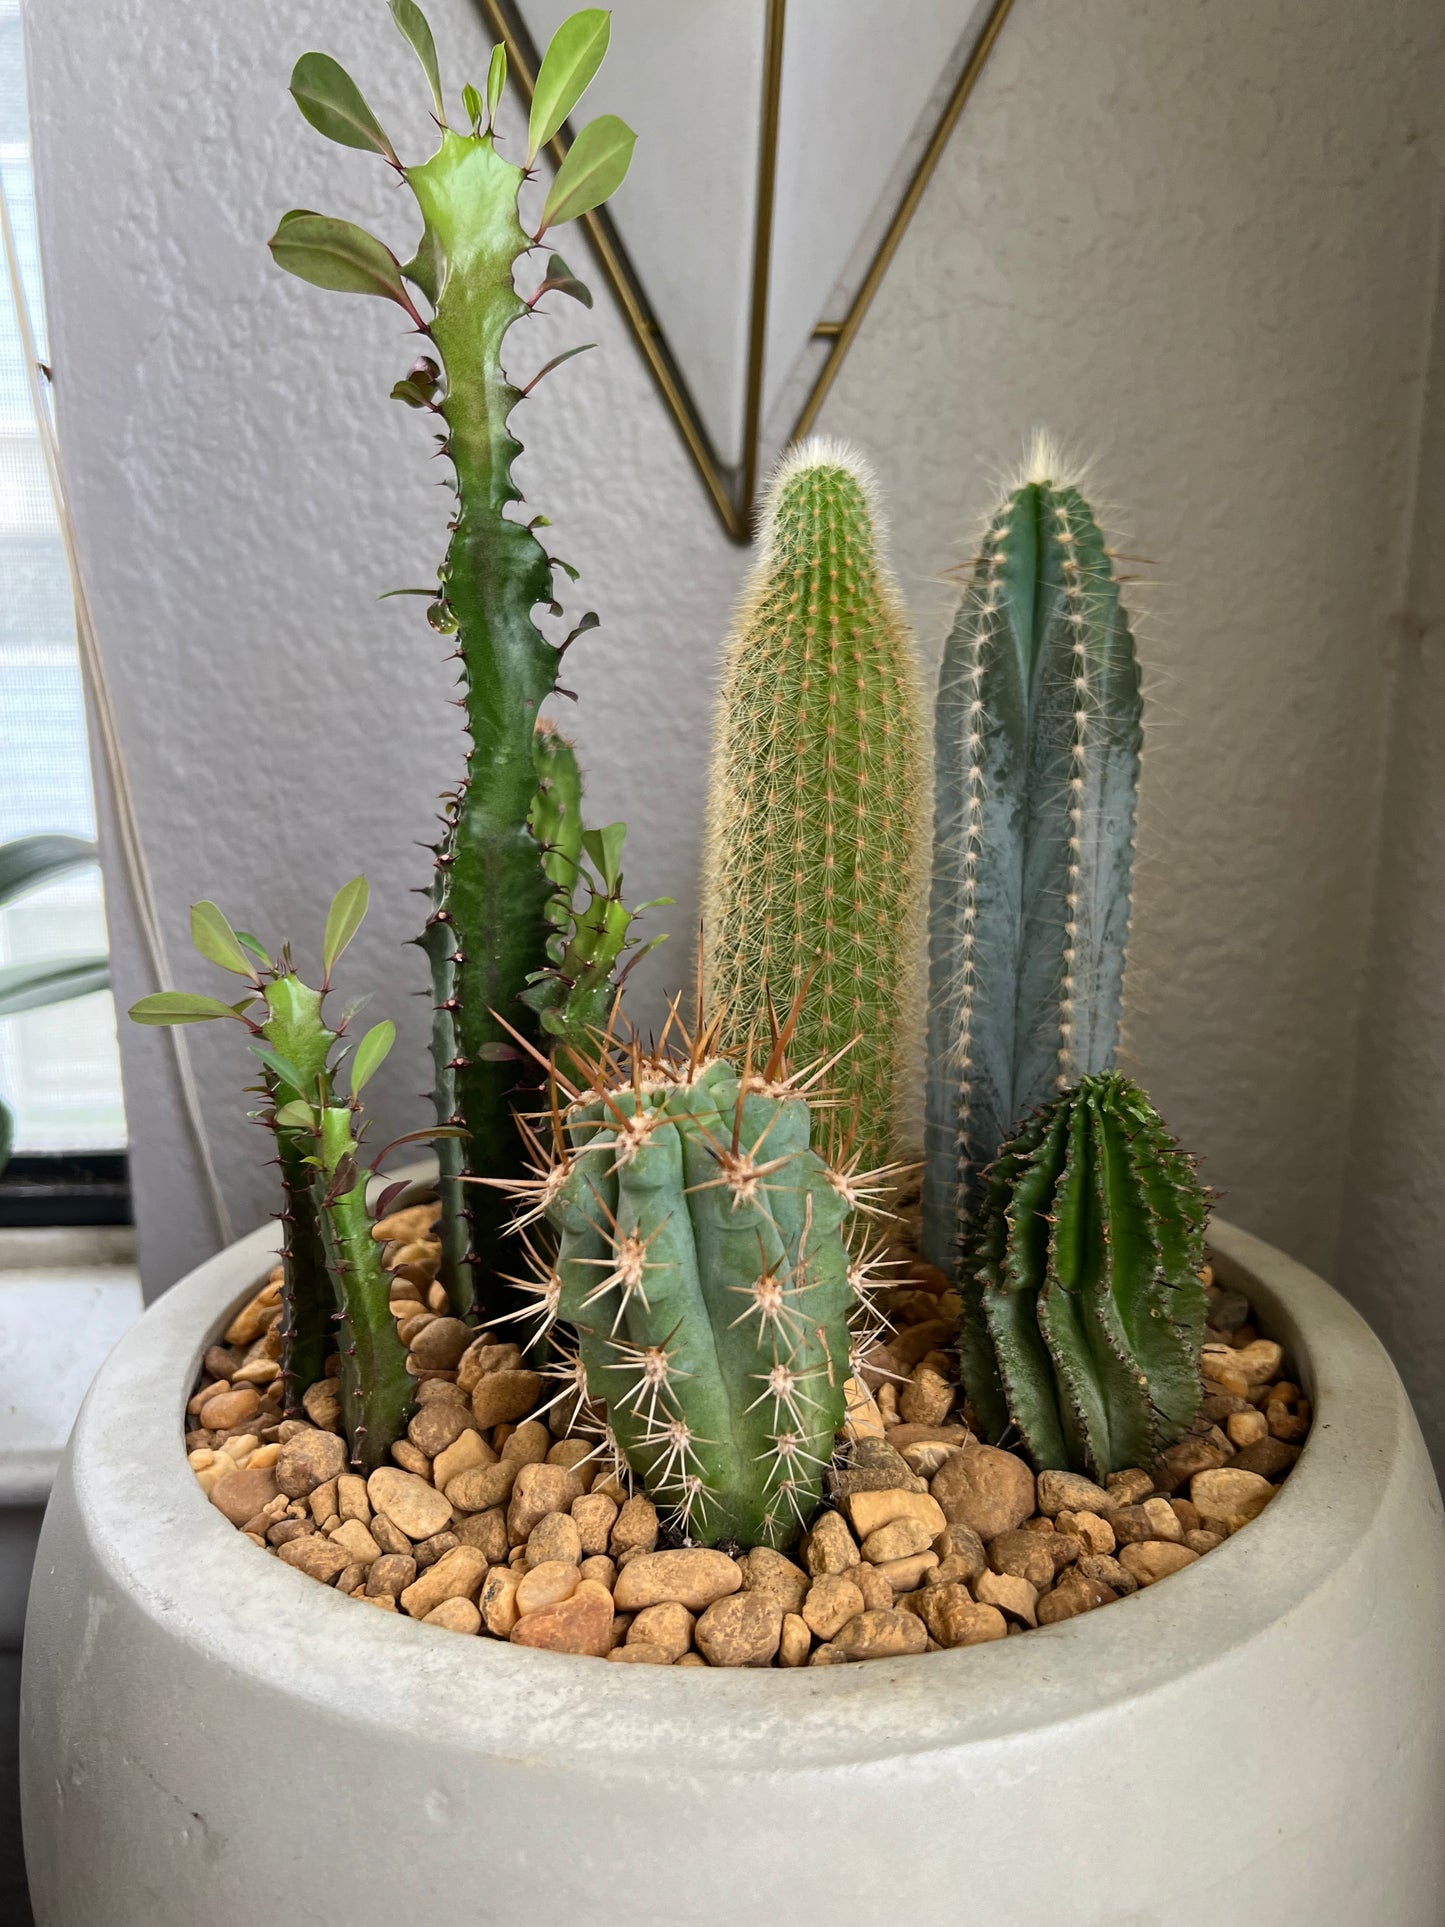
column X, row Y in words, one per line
column 733, row 491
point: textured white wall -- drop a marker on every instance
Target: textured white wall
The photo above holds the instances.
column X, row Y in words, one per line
column 1193, row 240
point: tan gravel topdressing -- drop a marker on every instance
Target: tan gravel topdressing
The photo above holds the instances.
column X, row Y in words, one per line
column 498, row 1523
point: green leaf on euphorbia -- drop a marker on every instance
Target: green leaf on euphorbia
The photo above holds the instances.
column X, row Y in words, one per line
column 561, row 280
column 596, row 166
column 343, row 920
column 556, row 362
column 496, row 80
column 254, row 946
column 180, row 1007
column 412, row 23
column 371, row 1053
column 335, row 106
column 217, row 941
column 281, row 1068
column 572, row 58
column 296, row 1116
column 335, row 254
column 472, row 107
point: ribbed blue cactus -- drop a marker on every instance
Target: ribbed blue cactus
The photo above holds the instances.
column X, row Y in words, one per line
column 1037, row 740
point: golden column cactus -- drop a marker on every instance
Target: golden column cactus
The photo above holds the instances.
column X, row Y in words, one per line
column 819, row 794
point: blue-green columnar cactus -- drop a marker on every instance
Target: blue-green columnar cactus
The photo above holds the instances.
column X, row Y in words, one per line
column 1083, row 1301
column 492, row 918
column 334, row 1292
column 1037, row 741
column 701, row 1261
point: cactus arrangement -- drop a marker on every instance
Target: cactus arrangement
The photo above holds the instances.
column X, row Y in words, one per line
column 818, row 792
column 701, row 1261
column 1037, row 738
column 334, row 1293
column 498, row 935
column 1083, row 1303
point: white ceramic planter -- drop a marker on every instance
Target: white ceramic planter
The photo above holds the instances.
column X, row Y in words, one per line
column 212, row 1738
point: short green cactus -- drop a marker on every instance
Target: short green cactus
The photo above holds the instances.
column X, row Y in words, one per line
column 491, row 925
column 818, row 795
column 1037, row 741
column 1083, row 1302
column 334, row 1294
column 701, row 1262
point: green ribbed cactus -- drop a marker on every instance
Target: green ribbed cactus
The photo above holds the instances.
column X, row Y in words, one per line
column 334, row 1293
column 701, row 1261
column 491, row 922
column 1083, row 1302
column 1037, row 738
column 818, row 794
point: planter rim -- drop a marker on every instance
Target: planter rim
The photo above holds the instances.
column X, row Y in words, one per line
column 177, row 1560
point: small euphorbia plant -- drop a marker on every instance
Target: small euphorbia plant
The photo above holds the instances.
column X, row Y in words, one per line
column 506, row 948
column 334, row 1291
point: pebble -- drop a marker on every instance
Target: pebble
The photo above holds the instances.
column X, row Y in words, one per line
column 412, row 1506
column 595, row 1515
column 314, row 1556
column 1177, row 1465
column 1070, row 1492
column 1015, row 1598
column 458, row 1574
column 354, row 1539
column 503, row 1396
column 466, row 1451
column 412, row 1221
column 1243, row 1428
column 636, row 1528
column 498, row 1601
column 795, row 1641
column 1256, row 1363
column 775, row 1575
column 1229, row 1498
column 954, row 1618
column 869, row 1511
column 742, row 1630
column 351, row 1499
column 427, row 1551
column 456, row 1615
column 307, row 1459
column 640, row 1652
column 881, row 1635
column 1024, row 1555
column 526, row 1444
column 1075, row 1593
column 830, row 1547
column 439, row 1347
column 581, row 1624
column 904, row 1574
column 1096, row 1532
column 1161, row 1518
column 240, row 1495
column 437, row 1426
column 927, row 1398
column 986, row 1489
column 668, row 1626
column 554, row 1537
column 391, row 1574
column 1155, row 1559
column 832, row 1600
column 539, row 1489
column 483, row 1486
column 1109, row 1572
column 253, row 1318
column 873, row 1584
column 962, row 1551
column 411, row 1459
column 322, row 1405
column 1129, row 1486
column 226, row 1409
column 546, row 1585
column 387, row 1536
column 899, row 1539
column 695, row 1578
column 487, row 1531
column 1270, row 1457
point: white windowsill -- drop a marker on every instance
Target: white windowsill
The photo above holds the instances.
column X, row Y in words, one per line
column 66, row 1296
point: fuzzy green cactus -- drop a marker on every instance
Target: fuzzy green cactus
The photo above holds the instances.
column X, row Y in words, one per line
column 701, row 1262
column 1083, row 1301
column 819, row 792
column 1037, row 740
column 488, row 933
column 334, row 1293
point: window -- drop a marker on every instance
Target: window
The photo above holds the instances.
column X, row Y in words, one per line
column 59, row 1066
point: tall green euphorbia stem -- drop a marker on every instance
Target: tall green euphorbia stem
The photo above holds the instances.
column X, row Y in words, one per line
column 295, row 1031
column 487, row 932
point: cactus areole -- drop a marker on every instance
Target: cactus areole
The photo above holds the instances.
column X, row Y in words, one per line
column 489, row 930
column 1083, row 1301
column 702, row 1261
column 1037, row 737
